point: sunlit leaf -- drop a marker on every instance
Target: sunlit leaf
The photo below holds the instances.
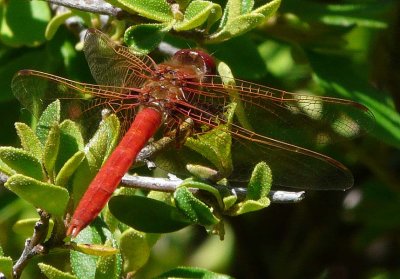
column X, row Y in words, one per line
column 197, row 13
column 21, row 162
column 49, row 117
column 69, row 168
column 51, row 149
column 53, row 273
column 29, row 140
column 158, row 10
column 48, row 197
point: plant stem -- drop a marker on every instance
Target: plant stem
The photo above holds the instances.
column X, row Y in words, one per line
column 170, row 185
column 33, row 245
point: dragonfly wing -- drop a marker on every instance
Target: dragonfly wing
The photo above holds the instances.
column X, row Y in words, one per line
column 292, row 166
column 35, row 90
column 113, row 64
column 298, row 119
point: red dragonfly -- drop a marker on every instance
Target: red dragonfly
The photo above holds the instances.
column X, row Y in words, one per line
column 185, row 87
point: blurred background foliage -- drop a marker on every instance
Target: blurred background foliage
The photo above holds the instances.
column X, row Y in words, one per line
column 340, row 48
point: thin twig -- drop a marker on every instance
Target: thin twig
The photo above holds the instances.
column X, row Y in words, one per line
column 171, row 184
column 34, row 245
column 93, row 6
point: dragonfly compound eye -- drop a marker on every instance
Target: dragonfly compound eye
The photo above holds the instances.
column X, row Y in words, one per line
column 203, row 61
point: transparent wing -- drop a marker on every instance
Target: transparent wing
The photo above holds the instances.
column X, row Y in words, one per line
column 35, row 90
column 297, row 119
column 115, row 65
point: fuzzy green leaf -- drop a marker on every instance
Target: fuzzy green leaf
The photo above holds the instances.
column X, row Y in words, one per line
column 21, row 162
column 140, row 213
column 71, row 141
column 4, row 168
column 194, row 209
column 84, row 266
column 197, row 13
column 237, row 27
column 268, row 9
column 109, row 267
column 249, row 206
column 143, row 38
column 95, row 249
column 158, row 10
column 69, row 168
column 51, row 149
column 29, row 140
column 135, row 250
column 6, row 266
column 48, row 197
column 215, row 146
column 104, row 141
column 25, row 227
column 53, row 273
column 192, row 272
column 260, row 182
column 49, row 117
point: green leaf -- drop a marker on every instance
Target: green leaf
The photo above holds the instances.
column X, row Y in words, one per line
column 215, row 146
column 191, row 183
column 29, row 140
column 257, row 191
column 197, row 13
column 246, row 6
column 140, row 213
column 48, row 197
column 269, row 9
column 21, row 162
column 158, row 10
column 49, row 117
column 6, row 266
column 237, row 27
column 71, row 142
column 108, row 267
column 4, row 168
column 260, row 182
column 24, row 22
column 69, row 168
column 192, row 272
column 249, row 206
column 53, row 273
column 94, row 249
column 103, row 142
column 25, row 227
column 194, row 209
column 135, row 250
column 143, row 38
column 56, row 22
column 51, row 149
column 84, row 266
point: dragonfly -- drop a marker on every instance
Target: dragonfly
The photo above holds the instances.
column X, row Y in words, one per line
column 280, row 129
